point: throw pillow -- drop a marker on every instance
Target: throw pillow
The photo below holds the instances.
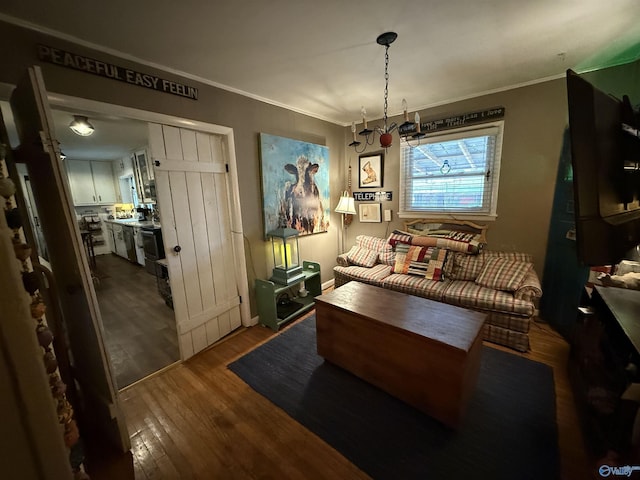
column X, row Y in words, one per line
column 362, row 257
column 420, row 261
column 503, row 273
column 437, row 258
column 405, row 254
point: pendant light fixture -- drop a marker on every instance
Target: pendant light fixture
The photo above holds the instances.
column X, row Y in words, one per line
column 386, row 139
column 81, row 126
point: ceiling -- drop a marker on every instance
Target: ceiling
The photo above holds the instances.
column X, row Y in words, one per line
column 112, row 139
column 321, row 57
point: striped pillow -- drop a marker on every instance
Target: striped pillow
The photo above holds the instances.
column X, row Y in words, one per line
column 503, row 273
column 362, row 257
column 398, row 237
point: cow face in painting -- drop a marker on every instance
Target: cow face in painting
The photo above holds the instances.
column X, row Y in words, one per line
column 302, row 204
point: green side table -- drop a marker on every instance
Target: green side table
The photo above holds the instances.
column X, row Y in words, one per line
column 273, row 315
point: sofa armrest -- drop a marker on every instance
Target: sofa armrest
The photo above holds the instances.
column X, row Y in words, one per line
column 530, row 288
column 342, row 260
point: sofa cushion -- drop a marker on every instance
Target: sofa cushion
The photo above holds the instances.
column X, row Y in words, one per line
column 413, row 285
column 388, row 258
column 469, row 294
column 373, row 275
column 363, row 257
column 373, row 243
column 464, row 267
column 503, row 273
column 461, row 266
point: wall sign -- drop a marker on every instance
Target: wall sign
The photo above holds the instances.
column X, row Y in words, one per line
column 114, row 72
column 372, row 196
column 455, row 121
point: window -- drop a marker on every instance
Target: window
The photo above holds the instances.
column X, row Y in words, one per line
column 452, row 174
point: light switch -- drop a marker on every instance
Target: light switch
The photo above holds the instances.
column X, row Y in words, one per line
column 387, row 215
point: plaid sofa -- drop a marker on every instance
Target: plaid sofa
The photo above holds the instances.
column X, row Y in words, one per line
column 509, row 306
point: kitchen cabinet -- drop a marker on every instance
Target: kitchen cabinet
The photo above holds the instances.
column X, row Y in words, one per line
column 124, row 166
column 111, row 241
column 139, row 243
column 145, row 178
column 91, row 182
column 119, row 241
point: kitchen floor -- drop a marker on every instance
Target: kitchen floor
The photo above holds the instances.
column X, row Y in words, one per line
column 140, row 329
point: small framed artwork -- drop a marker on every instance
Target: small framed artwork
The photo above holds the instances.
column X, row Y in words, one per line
column 370, row 212
column 371, row 170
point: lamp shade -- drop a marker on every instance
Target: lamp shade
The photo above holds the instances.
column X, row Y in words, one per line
column 346, row 204
column 81, row 126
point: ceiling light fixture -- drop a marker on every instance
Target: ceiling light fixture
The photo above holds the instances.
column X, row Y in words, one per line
column 81, row 126
column 406, row 131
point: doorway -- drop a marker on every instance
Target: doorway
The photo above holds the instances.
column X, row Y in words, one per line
column 139, row 324
column 194, row 329
column 76, row 296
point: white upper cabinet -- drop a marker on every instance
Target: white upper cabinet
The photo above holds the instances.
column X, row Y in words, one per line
column 81, row 182
column 123, row 167
column 144, row 176
column 91, row 182
column 103, row 182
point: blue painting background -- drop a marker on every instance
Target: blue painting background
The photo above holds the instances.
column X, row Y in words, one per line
column 275, row 153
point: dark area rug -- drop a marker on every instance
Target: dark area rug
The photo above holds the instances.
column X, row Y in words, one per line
column 509, row 430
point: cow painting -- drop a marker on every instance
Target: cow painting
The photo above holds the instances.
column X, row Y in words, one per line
column 295, row 185
column 303, row 207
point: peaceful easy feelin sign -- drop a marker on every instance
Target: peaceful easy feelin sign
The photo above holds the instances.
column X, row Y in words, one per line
column 108, row 70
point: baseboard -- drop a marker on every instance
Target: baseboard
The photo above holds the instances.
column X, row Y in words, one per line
column 328, row 284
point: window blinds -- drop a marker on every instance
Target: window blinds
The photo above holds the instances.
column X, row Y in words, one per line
column 453, row 173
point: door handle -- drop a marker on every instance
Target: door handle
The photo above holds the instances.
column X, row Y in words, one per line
column 177, row 248
column 100, row 197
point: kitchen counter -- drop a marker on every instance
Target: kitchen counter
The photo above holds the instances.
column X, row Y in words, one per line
column 133, row 222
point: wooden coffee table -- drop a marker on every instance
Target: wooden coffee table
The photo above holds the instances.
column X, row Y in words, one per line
column 426, row 353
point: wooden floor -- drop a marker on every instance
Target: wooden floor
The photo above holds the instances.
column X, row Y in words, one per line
column 140, row 329
column 198, row 420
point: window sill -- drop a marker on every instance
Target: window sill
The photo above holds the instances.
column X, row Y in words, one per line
column 449, row 216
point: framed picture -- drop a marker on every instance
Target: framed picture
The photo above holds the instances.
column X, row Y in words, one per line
column 370, row 212
column 295, row 185
column 371, row 170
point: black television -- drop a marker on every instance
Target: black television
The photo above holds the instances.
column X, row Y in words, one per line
column 605, row 156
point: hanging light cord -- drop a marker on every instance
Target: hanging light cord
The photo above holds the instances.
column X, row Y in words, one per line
column 386, row 84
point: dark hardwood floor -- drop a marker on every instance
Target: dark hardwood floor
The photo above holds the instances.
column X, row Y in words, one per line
column 198, row 420
column 140, row 329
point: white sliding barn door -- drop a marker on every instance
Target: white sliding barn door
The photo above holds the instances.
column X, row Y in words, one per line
column 193, row 197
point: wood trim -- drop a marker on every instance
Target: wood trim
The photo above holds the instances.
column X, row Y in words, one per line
column 187, row 166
